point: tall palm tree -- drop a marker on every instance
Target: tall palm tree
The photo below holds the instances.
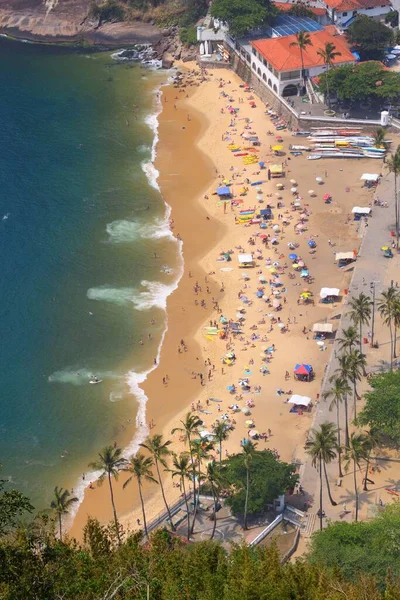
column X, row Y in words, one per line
column 393, row 164
column 344, row 372
column 396, row 323
column 386, row 308
column 357, row 363
column 139, row 466
column 321, row 447
column 373, row 440
column 349, row 338
column 248, row 452
column 340, row 388
column 303, row 40
column 61, row 504
column 380, row 138
column 221, row 433
column 214, row 478
column 190, row 427
column 328, row 55
column 360, row 312
column 200, row 451
column 110, row 462
column 159, row 451
column 356, row 451
column 182, row 468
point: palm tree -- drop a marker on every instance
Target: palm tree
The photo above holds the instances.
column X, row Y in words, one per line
column 396, row 323
column 379, row 138
column 373, row 440
column 349, row 340
column 248, row 451
column 357, row 363
column 303, row 40
column 140, row 467
column 214, row 478
column 356, row 451
column 328, row 55
column 360, row 312
column 340, row 388
column 190, row 427
column 393, row 164
column 344, row 372
column 61, row 504
column 182, row 468
column 200, row 451
column 221, row 433
column 159, row 451
column 322, row 447
column 386, row 309
column 110, row 463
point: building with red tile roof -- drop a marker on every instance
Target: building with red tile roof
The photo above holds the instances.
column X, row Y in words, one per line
column 343, row 12
column 287, row 6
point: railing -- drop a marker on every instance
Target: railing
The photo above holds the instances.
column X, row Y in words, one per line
column 163, row 515
column 259, row 538
column 294, row 516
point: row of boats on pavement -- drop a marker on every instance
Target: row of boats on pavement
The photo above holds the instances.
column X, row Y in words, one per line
column 339, row 143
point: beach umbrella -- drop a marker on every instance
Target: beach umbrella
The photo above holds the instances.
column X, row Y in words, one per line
column 253, row 433
column 311, row 192
column 263, row 236
column 391, row 56
column 259, row 190
column 293, row 190
column 326, row 197
column 385, row 248
column 244, row 299
column 293, row 181
column 311, row 243
column 295, row 265
column 246, row 410
column 300, row 226
column 276, row 263
column 260, row 294
column 272, row 270
column 279, row 186
column 230, row 388
column 259, row 197
column 297, row 204
column 249, row 423
column 292, row 256
column 304, row 273
column 276, row 303
column 281, row 325
column 277, row 148
column 276, row 227
column 274, row 240
column 300, row 263
column 319, row 180
column 261, row 164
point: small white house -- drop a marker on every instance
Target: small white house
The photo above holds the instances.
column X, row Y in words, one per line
column 343, row 12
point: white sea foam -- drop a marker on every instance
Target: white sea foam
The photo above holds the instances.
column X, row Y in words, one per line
column 106, row 293
column 124, row 231
column 151, row 294
column 80, row 375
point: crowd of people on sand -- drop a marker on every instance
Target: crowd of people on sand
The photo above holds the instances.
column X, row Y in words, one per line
column 284, row 250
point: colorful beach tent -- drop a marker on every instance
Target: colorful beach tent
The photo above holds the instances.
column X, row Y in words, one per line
column 302, row 369
column 223, row 191
column 299, row 400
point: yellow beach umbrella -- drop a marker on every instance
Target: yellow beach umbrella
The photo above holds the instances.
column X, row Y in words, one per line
column 277, row 148
column 272, row 270
column 385, row 248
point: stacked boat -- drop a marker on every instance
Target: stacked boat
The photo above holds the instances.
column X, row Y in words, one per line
column 343, row 143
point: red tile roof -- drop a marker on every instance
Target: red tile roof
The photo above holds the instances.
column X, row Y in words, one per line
column 284, row 57
column 286, row 6
column 345, row 5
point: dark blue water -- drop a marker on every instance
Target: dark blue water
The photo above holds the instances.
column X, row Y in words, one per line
column 77, row 218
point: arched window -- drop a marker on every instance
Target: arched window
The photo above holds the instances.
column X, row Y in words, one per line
column 259, row 71
column 269, row 83
column 289, row 90
column 253, row 66
column 264, row 77
column 275, row 88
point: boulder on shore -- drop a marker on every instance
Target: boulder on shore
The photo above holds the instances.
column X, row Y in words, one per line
column 167, row 60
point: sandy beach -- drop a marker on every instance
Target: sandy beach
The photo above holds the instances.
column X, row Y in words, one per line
column 194, row 158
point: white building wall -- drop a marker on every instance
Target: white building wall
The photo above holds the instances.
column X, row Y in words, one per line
column 266, row 74
column 378, row 12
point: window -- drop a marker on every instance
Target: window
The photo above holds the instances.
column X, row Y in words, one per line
column 344, row 14
column 253, row 66
column 254, row 51
column 290, row 75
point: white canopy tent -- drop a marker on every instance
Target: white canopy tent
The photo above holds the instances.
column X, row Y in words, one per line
column 245, row 259
column 299, row 400
column 361, row 210
column 322, row 328
column 369, row 177
column 325, row 292
column 344, row 256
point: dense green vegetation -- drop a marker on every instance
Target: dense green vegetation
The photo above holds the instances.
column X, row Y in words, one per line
column 363, row 81
column 369, row 37
column 382, row 406
column 243, row 16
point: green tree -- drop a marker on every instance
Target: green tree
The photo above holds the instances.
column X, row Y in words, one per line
column 200, row 451
column 256, row 478
column 356, row 451
column 139, row 467
column 328, row 55
column 381, row 411
column 61, row 504
column 13, row 505
column 392, row 18
column 159, row 451
column 242, row 16
column 349, row 339
column 339, row 390
column 369, row 37
column 356, row 365
column 110, row 462
column 322, row 447
column 221, row 433
column 360, row 313
column 303, row 40
column 393, row 164
column 108, row 11
column 214, row 478
column 387, row 309
column 300, row 10
column 344, row 372
column 380, row 138
column 182, row 468
column 372, row 441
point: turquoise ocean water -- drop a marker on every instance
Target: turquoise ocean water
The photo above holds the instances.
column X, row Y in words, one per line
column 81, row 220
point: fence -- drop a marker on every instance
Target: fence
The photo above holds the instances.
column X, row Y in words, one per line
column 163, row 516
column 259, row 538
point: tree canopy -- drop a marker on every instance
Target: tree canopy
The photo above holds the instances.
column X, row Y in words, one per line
column 13, row 505
column 369, row 37
column 242, row 16
column 368, row 80
column 382, row 405
column 269, row 478
column 370, row 547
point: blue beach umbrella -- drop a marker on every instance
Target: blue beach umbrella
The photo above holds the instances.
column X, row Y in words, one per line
column 260, row 294
column 304, row 273
column 311, row 243
column 293, row 256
